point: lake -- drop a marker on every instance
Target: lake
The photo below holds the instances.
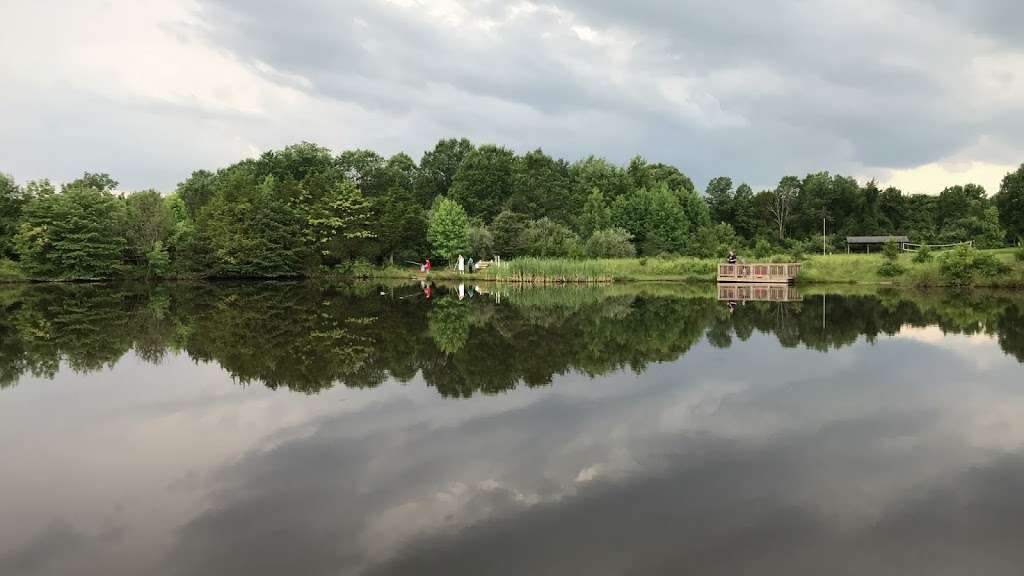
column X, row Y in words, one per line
column 291, row 428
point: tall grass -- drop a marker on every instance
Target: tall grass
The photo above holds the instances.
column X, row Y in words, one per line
column 564, row 270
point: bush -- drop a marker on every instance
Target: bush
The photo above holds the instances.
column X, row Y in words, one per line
column 356, row 269
column 963, row 264
column 610, row 243
column 923, row 255
column 762, row 249
column 1019, row 253
column 796, row 252
column 890, row 269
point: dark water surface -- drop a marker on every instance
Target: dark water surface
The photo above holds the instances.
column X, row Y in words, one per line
column 296, row 429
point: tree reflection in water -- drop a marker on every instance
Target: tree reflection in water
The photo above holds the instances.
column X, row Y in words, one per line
column 307, row 337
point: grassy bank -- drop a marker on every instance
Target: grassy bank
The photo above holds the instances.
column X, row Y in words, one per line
column 831, row 269
column 863, row 269
column 567, row 270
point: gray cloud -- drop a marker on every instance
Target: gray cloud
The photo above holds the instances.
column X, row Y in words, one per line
column 752, row 89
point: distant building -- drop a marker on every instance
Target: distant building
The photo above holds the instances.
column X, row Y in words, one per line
column 872, row 243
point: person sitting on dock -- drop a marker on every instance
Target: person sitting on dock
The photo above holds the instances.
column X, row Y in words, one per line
column 731, row 259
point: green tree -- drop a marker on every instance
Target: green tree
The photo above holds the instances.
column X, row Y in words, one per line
column 257, row 231
column 540, row 187
column 158, row 260
column 448, row 228
column 1010, row 203
column 336, row 214
column 650, row 176
column 12, row 201
column 438, row 168
column 719, row 196
column 712, row 241
column 507, row 229
column 367, row 170
column 655, row 219
column 610, row 243
column 77, row 233
column 745, row 220
column 484, row 181
column 148, row 221
column 781, row 203
column 99, row 181
column 597, row 173
column 400, row 225
column 481, row 242
column 546, row 238
column 596, row 214
column 197, row 190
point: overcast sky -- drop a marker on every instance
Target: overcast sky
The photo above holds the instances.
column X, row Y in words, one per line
column 917, row 93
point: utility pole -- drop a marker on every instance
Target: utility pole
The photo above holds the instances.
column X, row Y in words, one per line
column 823, row 235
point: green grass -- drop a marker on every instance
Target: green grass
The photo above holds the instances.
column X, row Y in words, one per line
column 863, row 269
column 831, row 269
column 567, row 270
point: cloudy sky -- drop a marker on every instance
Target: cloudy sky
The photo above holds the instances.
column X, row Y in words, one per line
column 917, row 93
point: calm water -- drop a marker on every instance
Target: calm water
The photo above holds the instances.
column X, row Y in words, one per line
column 291, row 429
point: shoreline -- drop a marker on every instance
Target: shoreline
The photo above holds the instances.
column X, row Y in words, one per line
column 833, row 269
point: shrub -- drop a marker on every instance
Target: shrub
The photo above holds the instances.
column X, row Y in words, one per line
column 357, row 269
column 610, row 243
column 961, row 265
column 987, row 265
column 1019, row 253
column 890, row 269
column 923, row 255
column 796, row 252
column 762, row 249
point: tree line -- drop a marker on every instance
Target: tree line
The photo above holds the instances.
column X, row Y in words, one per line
column 303, row 209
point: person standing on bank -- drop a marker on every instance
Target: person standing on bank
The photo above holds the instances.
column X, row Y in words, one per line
column 460, row 264
column 470, row 264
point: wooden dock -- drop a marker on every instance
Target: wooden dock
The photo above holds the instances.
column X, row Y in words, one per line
column 758, row 272
column 757, row 292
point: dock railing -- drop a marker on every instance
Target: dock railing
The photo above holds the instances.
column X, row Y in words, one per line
column 774, row 273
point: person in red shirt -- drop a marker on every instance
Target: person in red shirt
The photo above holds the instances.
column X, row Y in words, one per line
column 427, row 264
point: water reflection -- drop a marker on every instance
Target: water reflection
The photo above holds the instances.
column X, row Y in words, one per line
column 463, row 339
column 641, row 430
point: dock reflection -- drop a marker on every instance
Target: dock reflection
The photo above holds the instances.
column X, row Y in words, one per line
column 758, row 292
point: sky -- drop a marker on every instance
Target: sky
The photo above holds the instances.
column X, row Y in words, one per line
column 920, row 94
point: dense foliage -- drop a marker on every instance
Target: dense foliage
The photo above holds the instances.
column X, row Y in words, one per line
column 296, row 211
